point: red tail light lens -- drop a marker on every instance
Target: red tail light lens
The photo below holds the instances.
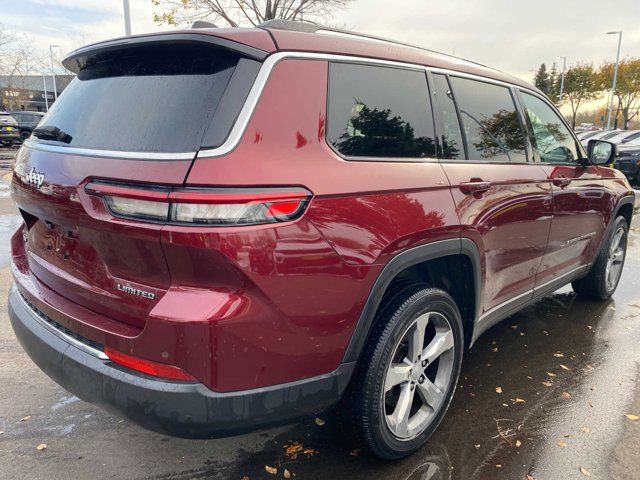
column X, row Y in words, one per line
column 155, row 369
column 224, row 207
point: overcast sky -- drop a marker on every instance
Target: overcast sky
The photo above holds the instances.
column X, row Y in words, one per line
column 510, row 35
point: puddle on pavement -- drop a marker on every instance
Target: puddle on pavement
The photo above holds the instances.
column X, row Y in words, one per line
column 8, row 225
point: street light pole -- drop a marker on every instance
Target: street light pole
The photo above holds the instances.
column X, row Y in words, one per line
column 44, row 84
column 615, row 77
column 564, row 69
column 53, row 73
column 127, row 18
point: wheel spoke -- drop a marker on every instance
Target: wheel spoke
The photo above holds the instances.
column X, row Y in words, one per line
column 442, row 342
column 416, row 337
column 399, row 419
column 430, row 394
column 398, row 373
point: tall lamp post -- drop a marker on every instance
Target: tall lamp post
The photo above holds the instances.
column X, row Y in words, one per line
column 564, row 69
column 53, row 73
column 127, row 17
column 615, row 77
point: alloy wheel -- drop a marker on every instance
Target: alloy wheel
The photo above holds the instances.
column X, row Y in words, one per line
column 615, row 261
column 419, row 375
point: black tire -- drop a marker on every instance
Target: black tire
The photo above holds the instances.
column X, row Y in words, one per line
column 595, row 284
column 25, row 134
column 361, row 412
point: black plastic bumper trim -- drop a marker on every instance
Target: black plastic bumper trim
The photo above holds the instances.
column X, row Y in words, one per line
column 188, row 410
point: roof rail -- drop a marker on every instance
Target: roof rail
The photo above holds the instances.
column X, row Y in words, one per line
column 308, row 27
column 203, row 24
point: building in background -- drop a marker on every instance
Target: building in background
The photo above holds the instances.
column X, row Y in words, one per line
column 27, row 92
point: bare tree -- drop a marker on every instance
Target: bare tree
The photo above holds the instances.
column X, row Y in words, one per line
column 236, row 13
column 21, row 60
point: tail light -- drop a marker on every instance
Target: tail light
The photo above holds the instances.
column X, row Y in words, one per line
column 207, row 206
column 149, row 367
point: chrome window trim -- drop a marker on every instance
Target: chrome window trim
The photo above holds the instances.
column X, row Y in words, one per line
column 94, row 152
column 240, row 125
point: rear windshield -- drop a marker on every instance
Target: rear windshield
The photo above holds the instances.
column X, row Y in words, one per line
column 153, row 98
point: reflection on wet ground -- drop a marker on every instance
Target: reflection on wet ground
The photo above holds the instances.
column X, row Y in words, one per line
column 567, row 370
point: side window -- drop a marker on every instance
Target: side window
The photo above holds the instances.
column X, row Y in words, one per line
column 452, row 142
column 551, row 138
column 490, row 121
column 379, row 112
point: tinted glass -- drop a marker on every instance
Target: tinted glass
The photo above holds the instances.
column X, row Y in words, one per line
column 551, row 138
column 157, row 98
column 490, row 121
column 379, row 112
column 452, row 143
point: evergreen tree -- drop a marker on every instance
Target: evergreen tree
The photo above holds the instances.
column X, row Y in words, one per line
column 541, row 80
column 554, row 84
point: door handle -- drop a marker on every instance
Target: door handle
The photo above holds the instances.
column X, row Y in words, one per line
column 475, row 186
column 561, row 181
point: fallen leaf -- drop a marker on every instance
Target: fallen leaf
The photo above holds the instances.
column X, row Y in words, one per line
column 591, row 404
column 518, row 443
column 558, row 355
column 320, row 422
column 588, row 368
column 286, row 473
column 505, row 404
column 531, row 477
column 271, row 470
column 593, row 388
column 42, row 446
column 566, row 395
column 498, row 465
column 24, row 419
column 477, row 445
column 355, row 453
column 585, row 472
column 562, row 443
column 498, row 389
column 518, row 400
column 515, row 327
column 494, row 349
column 547, row 384
column 551, row 374
column 633, row 418
column 585, row 429
column 1, row 432
column 522, row 334
column 564, row 367
column 245, row 478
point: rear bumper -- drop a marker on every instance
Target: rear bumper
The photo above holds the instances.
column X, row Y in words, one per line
column 181, row 409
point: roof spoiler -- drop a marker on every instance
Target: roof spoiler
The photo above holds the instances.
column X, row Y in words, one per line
column 90, row 54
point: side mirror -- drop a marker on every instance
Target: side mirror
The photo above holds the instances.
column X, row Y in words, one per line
column 601, row 152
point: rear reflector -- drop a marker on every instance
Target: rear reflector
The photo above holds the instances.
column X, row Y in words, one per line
column 155, row 369
column 224, row 207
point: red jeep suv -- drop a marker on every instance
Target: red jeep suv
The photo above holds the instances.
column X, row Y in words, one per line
column 226, row 229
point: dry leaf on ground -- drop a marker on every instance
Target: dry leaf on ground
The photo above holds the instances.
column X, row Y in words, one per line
column 531, row 477
column 585, row 429
column 562, row 443
column 42, row 446
column 24, row 419
column 564, row 367
column 498, row 389
column 558, row 355
column 633, row 418
column 566, row 395
column 271, row 470
column 518, row 400
column 320, row 422
column 551, row 374
column 355, row 452
column 286, row 473
column 585, row 472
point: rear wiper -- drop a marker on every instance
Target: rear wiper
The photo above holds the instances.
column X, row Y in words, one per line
column 52, row 133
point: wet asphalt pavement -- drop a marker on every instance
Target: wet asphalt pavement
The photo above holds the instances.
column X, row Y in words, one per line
column 568, row 370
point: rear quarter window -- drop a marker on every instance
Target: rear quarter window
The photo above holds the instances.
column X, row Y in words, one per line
column 379, row 112
column 151, row 98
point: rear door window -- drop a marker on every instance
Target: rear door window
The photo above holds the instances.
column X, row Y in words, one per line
column 491, row 123
column 151, row 98
column 452, row 141
column 380, row 112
